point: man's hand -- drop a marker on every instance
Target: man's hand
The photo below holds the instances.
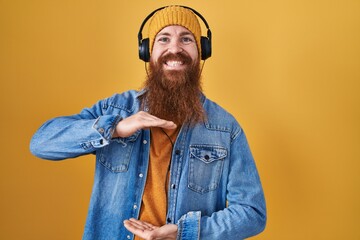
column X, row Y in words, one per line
column 148, row 231
column 140, row 120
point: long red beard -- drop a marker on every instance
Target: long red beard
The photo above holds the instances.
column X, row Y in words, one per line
column 174, row 95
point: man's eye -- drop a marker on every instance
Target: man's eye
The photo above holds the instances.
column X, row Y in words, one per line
column 187, row 40
column 163, row 39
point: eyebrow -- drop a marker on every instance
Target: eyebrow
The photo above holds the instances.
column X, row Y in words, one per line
column 184, row 33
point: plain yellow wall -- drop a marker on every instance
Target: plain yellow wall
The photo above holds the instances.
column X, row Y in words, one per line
column 288, row 70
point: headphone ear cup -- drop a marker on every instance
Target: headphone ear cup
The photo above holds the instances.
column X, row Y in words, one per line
column 205, row 48
column 144, row 52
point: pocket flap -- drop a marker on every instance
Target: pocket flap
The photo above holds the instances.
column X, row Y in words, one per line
column 208, row 153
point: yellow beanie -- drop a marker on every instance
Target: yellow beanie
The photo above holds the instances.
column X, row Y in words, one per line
column 174, row 15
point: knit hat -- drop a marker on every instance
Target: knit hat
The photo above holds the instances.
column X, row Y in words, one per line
column 174, row 15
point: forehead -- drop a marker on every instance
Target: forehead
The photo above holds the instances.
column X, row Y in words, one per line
column 174, row 30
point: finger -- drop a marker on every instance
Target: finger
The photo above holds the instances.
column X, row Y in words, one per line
column 137, row 222
column 162, row 123
column 138, row 228
column 153, row 121
column 143, row 224
column 168, row 125
column 132, row 227
column 136, row 225
column 136, row 231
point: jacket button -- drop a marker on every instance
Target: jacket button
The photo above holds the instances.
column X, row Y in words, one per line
column 207, row 157
column 168, row 220
column 177, row 152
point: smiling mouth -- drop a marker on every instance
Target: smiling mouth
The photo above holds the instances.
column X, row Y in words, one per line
column 174, row 63
column 178, row 61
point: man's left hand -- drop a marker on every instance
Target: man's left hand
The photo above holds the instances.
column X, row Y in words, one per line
column 148, row 231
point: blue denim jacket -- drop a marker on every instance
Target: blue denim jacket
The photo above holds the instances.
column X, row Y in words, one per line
column 214, row 187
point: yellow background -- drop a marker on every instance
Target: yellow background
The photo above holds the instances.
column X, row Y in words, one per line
column 288, row 70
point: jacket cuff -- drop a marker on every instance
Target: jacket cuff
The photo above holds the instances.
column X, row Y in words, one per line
column 189, row 226
column 105, row 126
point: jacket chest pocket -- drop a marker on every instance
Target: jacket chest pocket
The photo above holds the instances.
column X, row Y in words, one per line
column 205, row 167
column 116, row 156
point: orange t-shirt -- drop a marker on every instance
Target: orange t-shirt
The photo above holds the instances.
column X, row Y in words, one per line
column 154, row 201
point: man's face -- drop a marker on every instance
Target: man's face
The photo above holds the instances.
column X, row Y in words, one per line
column 170, row 41
column 173, row 84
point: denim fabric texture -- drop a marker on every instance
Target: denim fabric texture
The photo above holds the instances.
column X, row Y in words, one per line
column 214, row 187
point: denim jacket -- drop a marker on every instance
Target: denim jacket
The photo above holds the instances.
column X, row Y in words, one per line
column 214, row 187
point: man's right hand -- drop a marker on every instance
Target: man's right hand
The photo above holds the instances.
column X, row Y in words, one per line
column 140, row 120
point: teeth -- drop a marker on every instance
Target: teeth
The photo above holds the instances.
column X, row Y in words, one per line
column 174, row 63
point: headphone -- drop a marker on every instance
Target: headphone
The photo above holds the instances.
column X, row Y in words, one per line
column 144, row 48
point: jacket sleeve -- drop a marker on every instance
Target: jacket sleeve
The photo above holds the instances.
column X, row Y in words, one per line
column 73, row 136
column 245, row 213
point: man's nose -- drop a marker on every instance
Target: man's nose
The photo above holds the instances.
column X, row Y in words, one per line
column 175, row 47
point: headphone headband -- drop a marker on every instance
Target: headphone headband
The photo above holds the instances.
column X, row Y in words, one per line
column 144, row 53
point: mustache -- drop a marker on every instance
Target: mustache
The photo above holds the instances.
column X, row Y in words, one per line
column 181, row 56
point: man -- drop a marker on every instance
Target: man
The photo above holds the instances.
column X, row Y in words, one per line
column 170, row 163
